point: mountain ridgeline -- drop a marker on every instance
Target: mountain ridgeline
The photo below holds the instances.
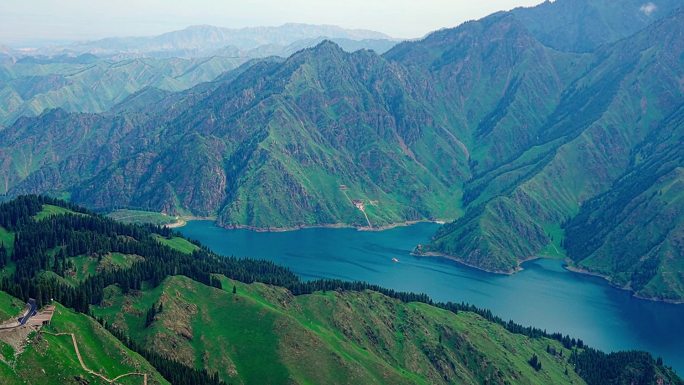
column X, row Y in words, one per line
column 95, row 76
column 206, row 41
column 144, row 300
column 85, row 83
column 526, row 140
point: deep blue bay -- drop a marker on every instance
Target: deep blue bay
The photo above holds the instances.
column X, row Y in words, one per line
column 544, row 294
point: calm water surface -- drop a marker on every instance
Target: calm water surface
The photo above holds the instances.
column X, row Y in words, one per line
column 543, row 295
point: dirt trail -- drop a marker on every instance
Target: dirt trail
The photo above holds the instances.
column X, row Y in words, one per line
column 363, row 210
column 94, row 373
column 132, row 374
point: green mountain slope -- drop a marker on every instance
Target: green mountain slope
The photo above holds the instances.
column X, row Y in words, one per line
column 208, row 155
column 585, row 145
column 265, row 335
column 497, row 84
column 633, row 233
column 392, row 140
column 49, row 357
column 95, row 85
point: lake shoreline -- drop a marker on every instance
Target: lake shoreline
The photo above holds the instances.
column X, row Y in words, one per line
column 572, row 268
column 518, row 268
column 326, row 226
column 183, row 220
column 566, row 266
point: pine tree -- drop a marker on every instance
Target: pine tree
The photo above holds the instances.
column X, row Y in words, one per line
column 149, row 317
column 535, row 363
column 3, row 255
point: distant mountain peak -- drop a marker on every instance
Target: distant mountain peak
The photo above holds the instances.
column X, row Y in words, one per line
column 201, row 26
column 324, row 49
column 327, row 44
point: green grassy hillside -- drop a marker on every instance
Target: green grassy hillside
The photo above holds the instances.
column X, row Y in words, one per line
column 50, row 210
column 10, row 307
column 264, row 335
column 178, row 243
column 7, row 240
column 47, row 358
column 140, row 217
column 602, row 237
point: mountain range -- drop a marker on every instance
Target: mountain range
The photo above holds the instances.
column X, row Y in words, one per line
column 207, row 40
column 527, row 141
column 589, row 140
column 94, row 76
column 85, row 83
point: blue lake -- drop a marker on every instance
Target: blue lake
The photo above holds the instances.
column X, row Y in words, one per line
column 543, row 295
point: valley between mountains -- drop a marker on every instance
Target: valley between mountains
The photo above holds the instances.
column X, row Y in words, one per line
column 310, row 204
column 524, row 143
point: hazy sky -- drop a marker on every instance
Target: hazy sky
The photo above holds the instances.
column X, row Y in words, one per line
column 25, row 21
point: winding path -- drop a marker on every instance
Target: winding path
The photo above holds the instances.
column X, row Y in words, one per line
column 94, row 373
